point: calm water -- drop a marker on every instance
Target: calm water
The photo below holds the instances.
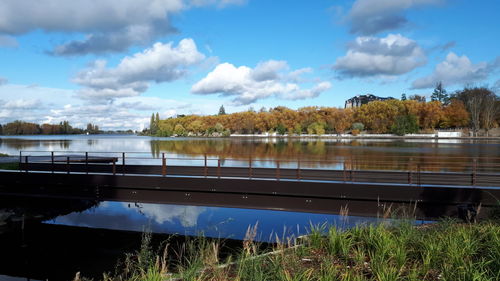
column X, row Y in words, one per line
column 91, row 236
column 312, row 153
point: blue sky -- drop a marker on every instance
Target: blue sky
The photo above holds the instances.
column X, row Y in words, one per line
column 114, row 62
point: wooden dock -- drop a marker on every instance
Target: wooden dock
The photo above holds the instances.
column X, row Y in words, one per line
column 425, row 194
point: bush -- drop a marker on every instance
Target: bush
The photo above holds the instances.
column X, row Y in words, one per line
column 180, row 131
column 355, row 132
column 281, row 129
column 358, row 126
column 297, row 129
column 405, row 124
column 316, row 128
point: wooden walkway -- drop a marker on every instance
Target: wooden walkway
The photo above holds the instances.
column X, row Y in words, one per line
column 426, row 193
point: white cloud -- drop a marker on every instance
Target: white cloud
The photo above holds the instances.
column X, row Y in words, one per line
column 457, row 70
column 108, row 25
column 248, row 85
column 187, row 215
column 23, row 104
column 52, row 105
column 131, row 77
column 368, row 17
column 388, row 56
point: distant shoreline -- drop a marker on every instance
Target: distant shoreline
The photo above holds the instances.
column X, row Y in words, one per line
column 275, row 136
column 366, row 136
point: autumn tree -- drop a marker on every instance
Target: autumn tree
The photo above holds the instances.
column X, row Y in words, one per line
column 430, row 114
column 455, row 115
column 489, row 112
column 340, row 119
column 478, row 101
column 377, row 116
column 418, row 98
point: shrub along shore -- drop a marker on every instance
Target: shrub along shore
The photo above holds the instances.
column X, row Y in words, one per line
column 400, row 250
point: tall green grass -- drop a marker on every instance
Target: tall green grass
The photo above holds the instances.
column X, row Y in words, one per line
column 447, row 250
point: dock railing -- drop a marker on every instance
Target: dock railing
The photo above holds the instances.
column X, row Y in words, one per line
column 412, row 170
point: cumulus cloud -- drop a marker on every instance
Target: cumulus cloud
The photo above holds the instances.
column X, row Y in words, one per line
column 368, row 17
column 457, row 70
column 108, row 25
column 52, row 105
column 247, row 85
column 388, row 56
column 131, row 77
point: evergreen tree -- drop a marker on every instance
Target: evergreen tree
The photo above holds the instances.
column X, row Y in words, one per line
column 152, row 125
column 222, row 111
column 403, row 96
column 440, row 94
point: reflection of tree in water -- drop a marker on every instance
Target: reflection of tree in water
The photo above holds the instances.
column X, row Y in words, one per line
column 19, row 144
column 92, row 142
column 314, row 153
column 26, row 144
column 64, row 144
column 39, row 209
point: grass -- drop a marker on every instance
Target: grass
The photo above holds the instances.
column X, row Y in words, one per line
column 9, row 166
column 4, row 155
column 447, row 250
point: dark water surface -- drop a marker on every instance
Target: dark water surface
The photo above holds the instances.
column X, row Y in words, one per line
column 53, row 239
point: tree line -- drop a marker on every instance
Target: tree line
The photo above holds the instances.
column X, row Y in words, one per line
column 63, row 128
column 472, row 107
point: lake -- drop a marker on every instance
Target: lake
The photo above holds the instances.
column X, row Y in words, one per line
column 42, row 238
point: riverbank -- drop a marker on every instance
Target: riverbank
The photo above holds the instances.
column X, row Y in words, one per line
column 364, row 136
column 443, row 251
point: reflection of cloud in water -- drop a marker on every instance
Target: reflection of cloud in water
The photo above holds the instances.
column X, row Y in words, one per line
column 187, row 215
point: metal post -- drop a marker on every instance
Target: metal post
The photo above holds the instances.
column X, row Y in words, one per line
column 277, row 170
column 205, row 168
column 114, row 167
column 351, row 172
column 250, row 167
column 218, row 168
column 474, row 167
column 163, row 164
column 418, row 173
column 87, row 163
column 52, row 160
column 344, row 172
column 298, row 169
column 67, row 165
column 26, row 162
column 123, row 163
